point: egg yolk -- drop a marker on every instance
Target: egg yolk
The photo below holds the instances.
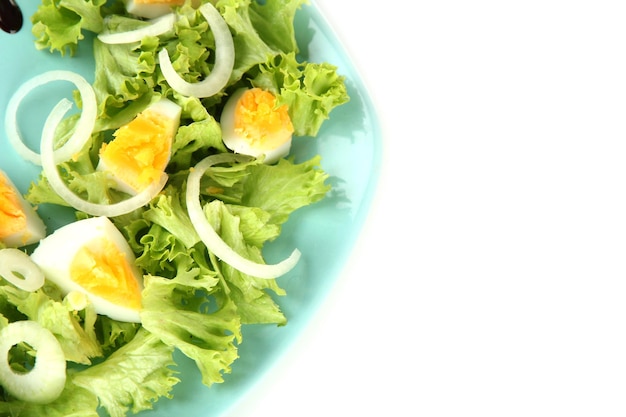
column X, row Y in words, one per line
column 260, row 122
column 140, row 150
column 101, row 269
column 12, row 217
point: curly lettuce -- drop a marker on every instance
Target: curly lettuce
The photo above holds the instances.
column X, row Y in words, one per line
column 192, row 301
column 59, row 25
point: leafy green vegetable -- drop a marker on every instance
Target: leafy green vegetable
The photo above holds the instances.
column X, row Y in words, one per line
column 179, row 311
column 126, row 87
column 192, row 301
column 58, row 25
column 250, row 48
column 73, row 402
column 300, row 186
column 133, row 377
column 196, row 136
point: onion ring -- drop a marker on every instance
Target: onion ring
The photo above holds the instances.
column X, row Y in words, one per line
column 157, row 27
column 14, row 262
column 224, row 60
column 84, row 126
column 45, row 382
column 212, row 240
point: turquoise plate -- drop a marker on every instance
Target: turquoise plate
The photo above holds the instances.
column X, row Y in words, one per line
column 350, row 145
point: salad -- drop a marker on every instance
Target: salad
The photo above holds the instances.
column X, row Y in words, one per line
column 178, row 161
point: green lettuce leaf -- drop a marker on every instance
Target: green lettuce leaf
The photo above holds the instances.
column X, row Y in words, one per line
column 273, row 21
column 260, row 31
column 183, row 314
column 161, row 252
column 58, row 25
column 133, row 377
column 250, row 49
column 124, row 81
column 282, row 188
column 196, row 138
column 169, row 212
column 95, row 186
column 73, row 402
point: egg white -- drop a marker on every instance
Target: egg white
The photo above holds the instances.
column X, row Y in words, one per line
column 35, row 229
column 238, row 144
column 55, row 253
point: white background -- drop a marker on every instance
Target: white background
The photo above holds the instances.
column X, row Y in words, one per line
column 490, row 278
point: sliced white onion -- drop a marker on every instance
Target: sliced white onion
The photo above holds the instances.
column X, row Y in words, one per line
column 45, row 382
column 57, row 184
column 84, row 126
column 157, row 27
column 14, row 262
column 212, row 240
column 224, row 60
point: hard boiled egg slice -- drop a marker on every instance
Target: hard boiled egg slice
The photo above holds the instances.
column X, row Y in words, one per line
column 141, row 149
column 153, row 8
column 253, row 125
column 92, row 257
column 19, row 223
